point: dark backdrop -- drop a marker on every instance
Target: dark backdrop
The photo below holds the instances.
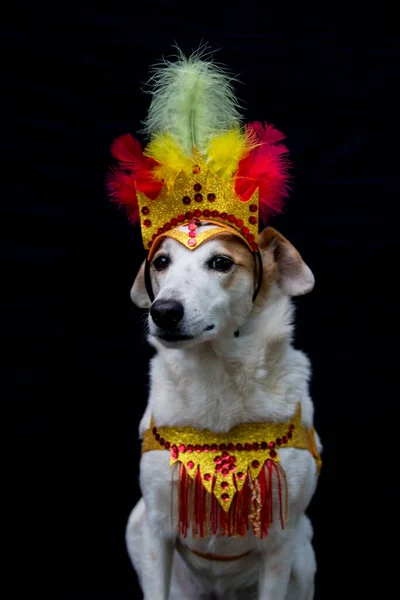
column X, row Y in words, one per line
column 76, row 382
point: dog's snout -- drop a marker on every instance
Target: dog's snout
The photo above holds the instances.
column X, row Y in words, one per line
column 166, row 314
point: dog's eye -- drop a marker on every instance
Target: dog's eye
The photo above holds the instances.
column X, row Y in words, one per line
column 220, row 263
column 161, row 262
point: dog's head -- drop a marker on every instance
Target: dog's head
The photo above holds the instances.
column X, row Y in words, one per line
column 208, row 292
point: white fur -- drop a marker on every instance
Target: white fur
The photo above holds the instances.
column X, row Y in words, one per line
column 216, row 381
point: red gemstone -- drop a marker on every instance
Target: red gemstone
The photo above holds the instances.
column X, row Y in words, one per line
column 232, row 459
column 231, row 446
column 218, row 467
column 222, row 446
column 272, row 453
column 271, row 445
column 206, row 212
column 225, row 453
column 254, row 246
column 189, row 448
column 192, row 242
column 196, row 169
column 167, row 226
column 207, row 476
column 154, row 430
column 214, row 213
column 192, row 226
column 279, row 441
column 239, row 222
column 256, row 445
column 217, row 459
column 160, row 230
column 214, row 447
column 245, row 230
column 231, row 218
column 232, row 467
column 240, row 475
column 253, row 207
column 174, row 448
column 206, row 447
column 291, row 428
column 147, row 222
column 211, row 197
column 248, row 446
column 190, row 464
column 285, row 439
column 197, row 212
column 174, row 222
column 225, row 497
column 223, row 215
column 145, row 210
column 250, row 237
column 239, row 447
column 186, row 200
column 253, row 220
column 181, row 218
column 182, row 448
column 197, row 448
column 224, row 484
column 167, row 445
column 197, row 187
column 174, row 454
column 192, row 234
column 255, row 464
column 157, row 436
column 225, row 471
column 198, row 197
column 264, row 445
column 162, row 441
column 188, row 215
column 290, row 435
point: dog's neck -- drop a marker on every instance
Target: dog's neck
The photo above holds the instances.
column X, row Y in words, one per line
column 227, row 380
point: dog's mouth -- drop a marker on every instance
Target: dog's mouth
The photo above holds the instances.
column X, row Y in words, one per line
column 174, row 336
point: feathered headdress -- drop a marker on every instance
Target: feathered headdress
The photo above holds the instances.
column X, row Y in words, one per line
column 201, row 163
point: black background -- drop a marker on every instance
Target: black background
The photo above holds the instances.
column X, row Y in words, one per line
column 75, row 357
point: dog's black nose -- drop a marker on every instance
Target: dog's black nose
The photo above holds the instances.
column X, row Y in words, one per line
column 166, row 314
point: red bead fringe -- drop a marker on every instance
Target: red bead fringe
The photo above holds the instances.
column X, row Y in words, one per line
column 252, row 506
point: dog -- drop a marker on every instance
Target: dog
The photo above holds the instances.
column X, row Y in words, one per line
column 221, row 361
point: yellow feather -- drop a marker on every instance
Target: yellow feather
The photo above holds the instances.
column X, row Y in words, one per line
column 171, row 157
column 226, row 150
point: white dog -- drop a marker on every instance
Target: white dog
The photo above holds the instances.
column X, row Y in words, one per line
column 222, row 361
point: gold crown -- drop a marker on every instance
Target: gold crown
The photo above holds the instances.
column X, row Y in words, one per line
column 200, row 196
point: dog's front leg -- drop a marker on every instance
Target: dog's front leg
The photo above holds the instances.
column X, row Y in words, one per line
column 157, row 564
column 275, row 573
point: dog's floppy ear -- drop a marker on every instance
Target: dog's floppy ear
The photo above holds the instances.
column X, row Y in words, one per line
column 139, row 295
column 294, row 277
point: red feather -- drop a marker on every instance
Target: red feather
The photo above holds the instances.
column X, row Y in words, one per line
column 134, row 172
column 265, row 168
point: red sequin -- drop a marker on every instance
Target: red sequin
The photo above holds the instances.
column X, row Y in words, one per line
column 198, row 197
column 232, row 459
column 245, row 230
column 250, row 237
column 162, row 441
column 206, row 212
column 167, row 445
column 253, row 207
column 182, row 448
column 290, row 435
column 154, row 430
column 291, row 428
column 186, row 200
column 254, row 246
column 190, row 464
column 218, row 467
column 255, row 464
column 239, row 447
column 174, row 222
column 271, row 445
column 196, row 169
column 145, row 210
column 189, row 448
column 197, row 187
column 222, row 446
column 197, row 212
column 231, row 218
column 256, row 445
column 224, row 484
column 232, row 467
column 253, row 220
column 147, row 222
column 279, row 441
column 214, row 447
column 188, row 215
column 207, row 476
column 240, row 475
column 167, row 226
column 192, row 234
column 225, row 453
column 272, row 453
column 239, row 222
column 206, row 447
column 160, row 230
column 217, row 459
column 285, row 439
column 192, row 242
column 225, row 471
column 223, row 215
column 157, row 436
column 181, row 218
column 211, row 197
column 264, row 445
column 225, row 497
column 248, row 446
column 231, row 446
column 192, row 226
column 197, row 448
column 214, row 213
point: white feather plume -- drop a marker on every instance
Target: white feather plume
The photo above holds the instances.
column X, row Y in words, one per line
column 193, row 100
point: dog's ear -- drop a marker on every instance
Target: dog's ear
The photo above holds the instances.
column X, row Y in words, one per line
column 139, row 295
column 294, row 277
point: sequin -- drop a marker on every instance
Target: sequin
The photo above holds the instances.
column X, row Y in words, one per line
column 186, row 200
column 182, row 448
column 192, row 226
column 190, row 464
column 198, row 197
column 192, row 234
column 207, row 476
column 197, row 187
column 145, row 210
column 253, row 207
column 211, row 197
column 252, row 220
column 192, row 242
column 224, row 484
column 147, row 223
column 196, row 169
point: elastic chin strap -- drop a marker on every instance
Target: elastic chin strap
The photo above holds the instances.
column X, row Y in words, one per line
column 149, row 287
